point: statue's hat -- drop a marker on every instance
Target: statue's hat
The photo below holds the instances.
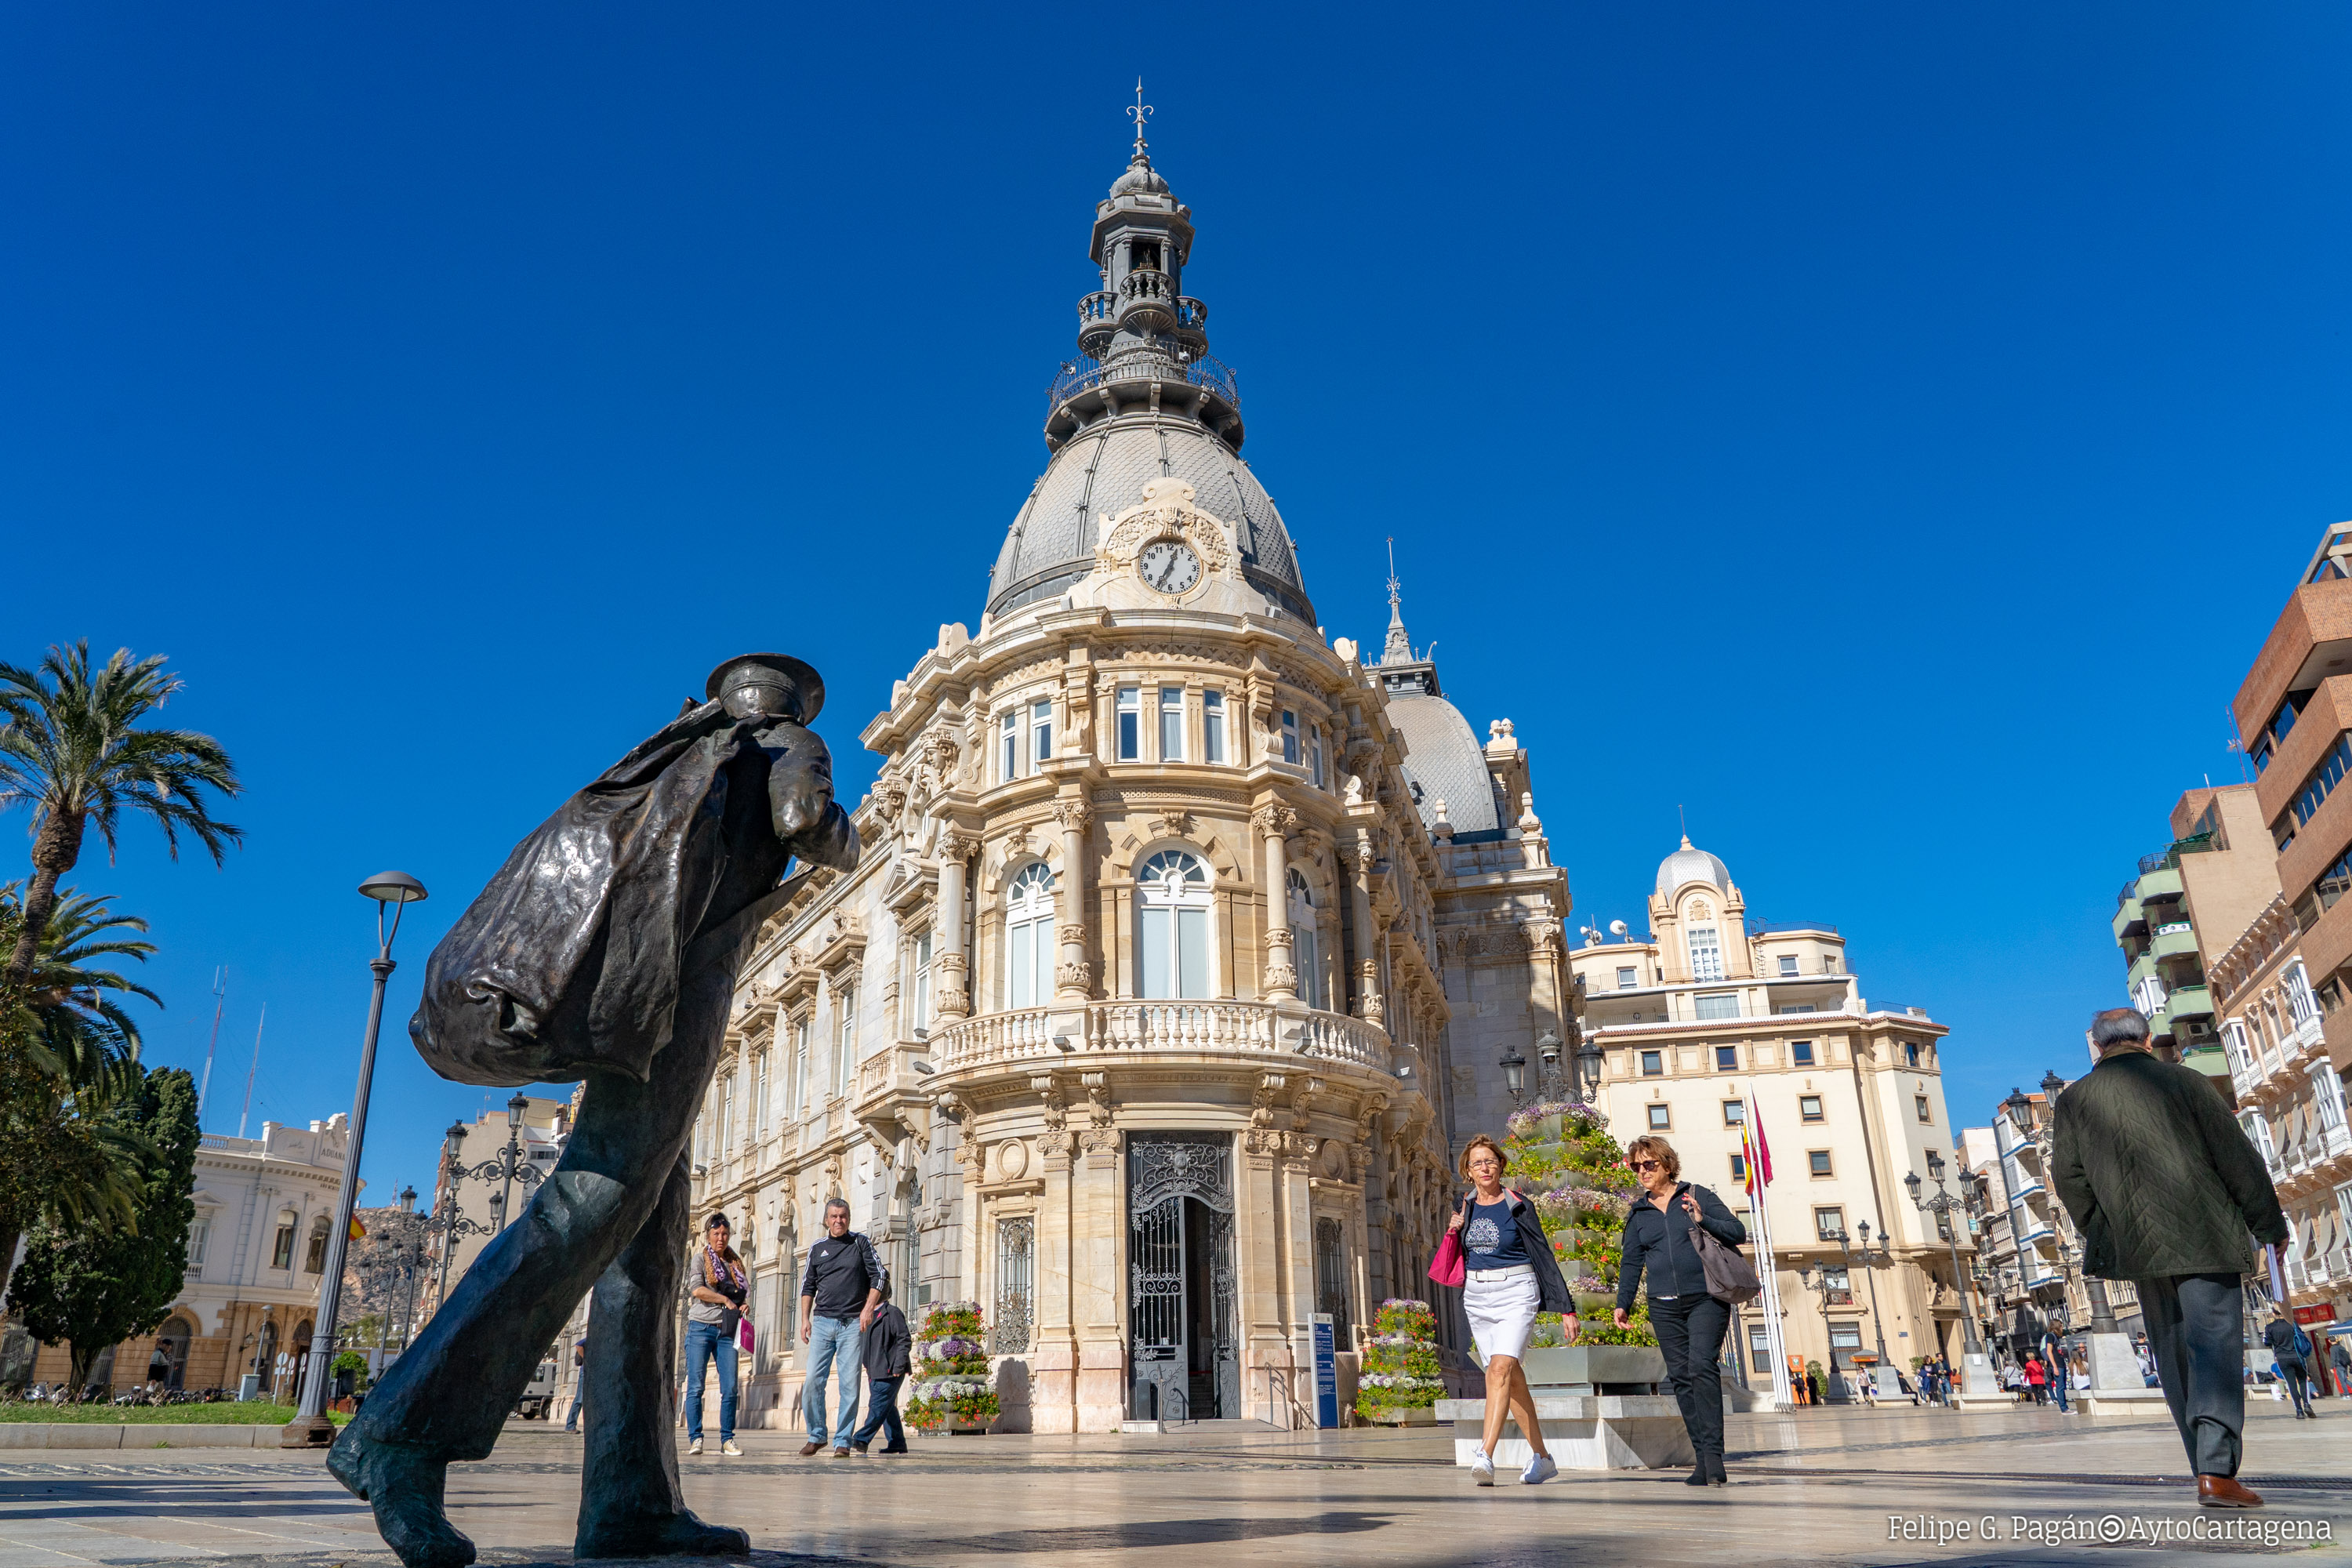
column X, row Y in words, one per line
column 776, row 670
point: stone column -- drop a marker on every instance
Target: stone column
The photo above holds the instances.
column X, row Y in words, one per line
column 1074, row 981
column 955, row 847
column 1098, row 1232
column 1281, row 981
column 1364, row 955
column 1053, row 1345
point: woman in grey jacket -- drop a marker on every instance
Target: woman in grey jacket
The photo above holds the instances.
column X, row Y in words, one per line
column 1689, row 1322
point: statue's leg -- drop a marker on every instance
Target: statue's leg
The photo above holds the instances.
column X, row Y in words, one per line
column 630, row 1505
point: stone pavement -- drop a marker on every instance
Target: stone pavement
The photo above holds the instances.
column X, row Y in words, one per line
column 1815, row 1487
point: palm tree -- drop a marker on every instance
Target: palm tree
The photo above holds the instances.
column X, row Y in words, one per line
column 70, row 748
column 68, row 1050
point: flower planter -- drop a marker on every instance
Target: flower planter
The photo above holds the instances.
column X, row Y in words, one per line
column 1409, row 1416
column 1593, row 1367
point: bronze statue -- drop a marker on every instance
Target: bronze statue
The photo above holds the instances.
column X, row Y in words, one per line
column 605, row 949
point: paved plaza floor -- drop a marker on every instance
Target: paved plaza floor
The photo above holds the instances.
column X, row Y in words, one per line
column 1816, row 1487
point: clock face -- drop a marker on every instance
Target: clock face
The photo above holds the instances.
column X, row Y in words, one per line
column 1170, row 568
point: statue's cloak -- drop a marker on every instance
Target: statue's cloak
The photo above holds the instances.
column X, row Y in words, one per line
column 568, row 960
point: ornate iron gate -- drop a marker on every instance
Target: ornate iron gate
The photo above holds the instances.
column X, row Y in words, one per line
column 1181, row 1261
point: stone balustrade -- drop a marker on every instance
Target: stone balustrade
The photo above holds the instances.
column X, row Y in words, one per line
column 1216, row 1028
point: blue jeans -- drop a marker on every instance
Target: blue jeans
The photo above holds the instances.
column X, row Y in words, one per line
column 703, row 1343
column 833, row 1340
column 882, row 1405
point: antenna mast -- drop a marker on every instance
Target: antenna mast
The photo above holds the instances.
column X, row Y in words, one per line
column 255, row 1071
column 220, row 994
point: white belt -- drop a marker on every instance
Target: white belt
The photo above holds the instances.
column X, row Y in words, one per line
column 1502, row 1273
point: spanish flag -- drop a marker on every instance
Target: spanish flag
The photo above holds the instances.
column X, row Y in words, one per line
column 358, row 1230
column 1756, row 1153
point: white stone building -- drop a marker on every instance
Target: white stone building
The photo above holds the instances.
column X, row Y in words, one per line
column 256, row 1256
column 1185, row 944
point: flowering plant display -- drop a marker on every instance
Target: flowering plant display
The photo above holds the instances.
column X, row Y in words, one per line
column 1561, row 1154
column 1400, row 1365
column 953, row 1386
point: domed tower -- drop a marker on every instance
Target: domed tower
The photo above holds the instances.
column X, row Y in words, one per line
column 1143, row 400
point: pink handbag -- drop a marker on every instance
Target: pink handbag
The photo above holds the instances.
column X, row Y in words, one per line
column 743, row 1335
column 1447, row 1268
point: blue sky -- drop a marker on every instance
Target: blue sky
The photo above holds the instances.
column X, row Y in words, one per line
column 1886, row 432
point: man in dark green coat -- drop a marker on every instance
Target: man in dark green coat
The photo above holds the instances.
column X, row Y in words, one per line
column 2168, row 1194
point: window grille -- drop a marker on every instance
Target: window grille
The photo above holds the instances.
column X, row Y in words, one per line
column 1331, row 1280
column 1017, row 1291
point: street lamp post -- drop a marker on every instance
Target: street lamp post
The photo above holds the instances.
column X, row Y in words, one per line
column 1816, row 1277
column 1870, row 1268
column 311, row 1429
column 1943, row 1206
column 507, row 1169
column 2103, row 1312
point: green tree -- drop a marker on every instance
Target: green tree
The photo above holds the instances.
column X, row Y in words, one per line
column 91, row 1286
column 70, row 748
column 68, row 1047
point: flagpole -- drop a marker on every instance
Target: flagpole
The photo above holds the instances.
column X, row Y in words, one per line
column 1768, row 1274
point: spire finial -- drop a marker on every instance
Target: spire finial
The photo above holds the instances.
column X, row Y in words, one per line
column 1139, row 111
column 1398, row 648
column 1684, row 821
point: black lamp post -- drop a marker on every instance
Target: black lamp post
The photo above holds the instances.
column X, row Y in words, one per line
column 311, row 1427
column 452, row 1225
column 1943, row 1206
column 1870, row 1267
column 508, row 1168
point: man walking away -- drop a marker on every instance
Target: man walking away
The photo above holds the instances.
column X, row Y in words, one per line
column 888, row 1363
column 2289, row 1346
column 838, row 1294
column 2058, row 1371
column 579, row 1360
column 2342, row 1359
column 2165, row 1190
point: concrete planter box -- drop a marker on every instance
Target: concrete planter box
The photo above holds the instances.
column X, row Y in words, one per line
column 1588, row 1367
column 1418, row 1416
column 1612, row 1432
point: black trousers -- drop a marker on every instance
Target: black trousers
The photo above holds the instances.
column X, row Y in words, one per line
column 2195, row 1329
column 1690, row 1333
column 2297, row 1377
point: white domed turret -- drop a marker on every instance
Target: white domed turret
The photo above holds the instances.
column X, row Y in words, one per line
column 1689, row 865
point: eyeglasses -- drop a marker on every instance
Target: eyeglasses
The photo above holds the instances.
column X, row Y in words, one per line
column 1647, row 1164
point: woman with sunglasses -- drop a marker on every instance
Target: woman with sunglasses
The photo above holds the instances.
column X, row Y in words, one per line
column 1689, row 1322
column 1508, row 1275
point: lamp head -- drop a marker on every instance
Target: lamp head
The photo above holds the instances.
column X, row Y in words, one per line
column 1936, row 1167
column 393, row 888
column 515, row 1107
column 1548, row 1045
column 1515, row 1071
column 1911, row 1180
column 2052, row 1084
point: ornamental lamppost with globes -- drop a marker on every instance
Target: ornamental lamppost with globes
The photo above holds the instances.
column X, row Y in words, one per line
column 1944, row 1206
column 2103, row 1312
column 509, row 1167
column 1869, row 1263
column 453, row 1225
column 311, row 1427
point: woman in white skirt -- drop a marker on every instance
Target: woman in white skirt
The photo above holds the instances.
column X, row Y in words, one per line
column 1508, row 1275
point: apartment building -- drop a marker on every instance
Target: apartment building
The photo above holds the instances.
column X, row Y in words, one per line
column 2185, row 906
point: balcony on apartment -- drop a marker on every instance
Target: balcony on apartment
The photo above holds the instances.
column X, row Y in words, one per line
column 1264, row 1032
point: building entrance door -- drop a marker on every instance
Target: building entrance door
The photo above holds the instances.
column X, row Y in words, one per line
column 1184, row 1341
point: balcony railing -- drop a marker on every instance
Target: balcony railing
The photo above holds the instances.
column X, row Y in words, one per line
column 1123, row 1028
column 1173, row 364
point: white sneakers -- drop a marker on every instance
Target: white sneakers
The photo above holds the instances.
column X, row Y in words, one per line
column 729, row 1447
column 1482, row 1470
column 1540, row 1470
column 695, row 1447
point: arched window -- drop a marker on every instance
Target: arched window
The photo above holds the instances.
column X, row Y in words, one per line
column 1029, row 944
column 1171, row 922
column 1304, row 952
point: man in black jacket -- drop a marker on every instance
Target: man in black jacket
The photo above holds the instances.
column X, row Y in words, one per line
column 2292, row 1367
column 2164, row 1189
column 1689, row 1322
column 885, row 1353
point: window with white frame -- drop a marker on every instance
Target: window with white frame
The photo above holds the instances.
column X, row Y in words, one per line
column 1008, row 747
column 1628, row 977
column 1290, row 737
column 1305, row 947
column 1130, row 723
column 919, row 1018
column 200, row 1238
column 1788, row 964
column 1315, row 755
column 1213, row 726
column 727, row 1117
column 1717, row 1004
column 844, row 1050
column 2327, row 1093
column 1705, row 953
column 760, row 1098
column 1041, row 732
column 1171, row 921
column 1029, row 944
column 1171, row 723
column 799, row 1090
column 2299, row 999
